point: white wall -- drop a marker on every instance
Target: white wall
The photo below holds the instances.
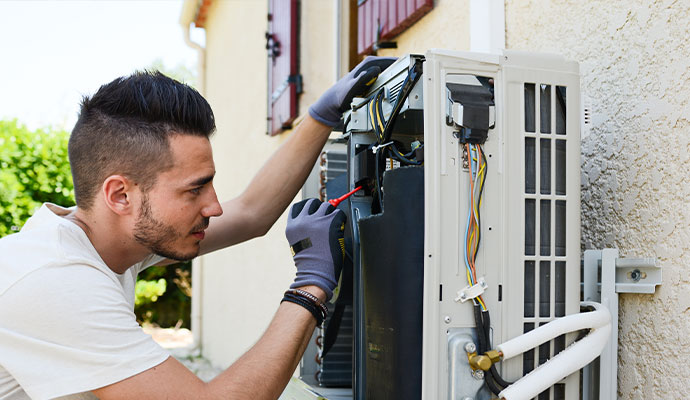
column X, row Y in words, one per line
column 635, row 66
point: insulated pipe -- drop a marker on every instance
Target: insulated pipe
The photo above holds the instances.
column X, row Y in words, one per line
column 564, row 363
column 571, row 323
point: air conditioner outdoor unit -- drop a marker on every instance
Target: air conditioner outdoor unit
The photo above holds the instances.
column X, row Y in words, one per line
column 470, row 207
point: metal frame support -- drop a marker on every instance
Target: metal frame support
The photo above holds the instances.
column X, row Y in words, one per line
column 618, row 275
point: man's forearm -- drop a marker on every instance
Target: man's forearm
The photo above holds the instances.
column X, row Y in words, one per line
column 254, row 212
column 264, row 371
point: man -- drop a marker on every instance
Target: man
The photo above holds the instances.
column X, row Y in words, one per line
column 143, row 175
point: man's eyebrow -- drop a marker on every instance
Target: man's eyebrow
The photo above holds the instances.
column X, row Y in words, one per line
column 202, row 181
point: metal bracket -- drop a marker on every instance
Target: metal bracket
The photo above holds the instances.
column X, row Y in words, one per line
column 637, row 275
column 463, row 381
column 618, row 275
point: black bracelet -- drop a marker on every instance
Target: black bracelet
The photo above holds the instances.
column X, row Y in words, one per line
column 307, row 305
column 313, row 298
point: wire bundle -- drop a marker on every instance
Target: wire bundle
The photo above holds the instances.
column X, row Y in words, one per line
column 384, row 128
column 477, row 169
column 478, row 166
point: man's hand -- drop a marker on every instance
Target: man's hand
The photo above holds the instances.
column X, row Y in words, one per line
column 329, row 108
column 315, row 234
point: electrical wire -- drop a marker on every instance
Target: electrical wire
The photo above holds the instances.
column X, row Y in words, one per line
column 478, row 167
column 384, row 128
column 477, row 177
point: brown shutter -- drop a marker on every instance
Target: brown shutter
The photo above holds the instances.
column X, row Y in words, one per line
column 390, row 17
column 284, row 81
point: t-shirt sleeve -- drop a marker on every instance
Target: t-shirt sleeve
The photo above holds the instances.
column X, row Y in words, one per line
column 66, row 330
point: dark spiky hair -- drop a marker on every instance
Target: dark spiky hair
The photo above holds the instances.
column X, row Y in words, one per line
column 125, row 129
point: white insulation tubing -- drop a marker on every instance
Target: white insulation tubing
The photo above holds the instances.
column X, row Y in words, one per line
column 571, row 323
column 563, row 364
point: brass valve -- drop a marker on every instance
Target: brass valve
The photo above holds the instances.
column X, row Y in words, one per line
column 484, row 361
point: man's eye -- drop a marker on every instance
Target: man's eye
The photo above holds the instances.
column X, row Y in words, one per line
column 195, row 190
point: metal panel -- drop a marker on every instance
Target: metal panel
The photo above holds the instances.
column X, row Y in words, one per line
column 283, row 79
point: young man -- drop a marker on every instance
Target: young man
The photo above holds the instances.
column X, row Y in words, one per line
column 143, row 175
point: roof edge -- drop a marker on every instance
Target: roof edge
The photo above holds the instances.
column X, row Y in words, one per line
column 194, row 11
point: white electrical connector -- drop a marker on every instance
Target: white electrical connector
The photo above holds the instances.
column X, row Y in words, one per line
column 472, row 292
column 377, row 147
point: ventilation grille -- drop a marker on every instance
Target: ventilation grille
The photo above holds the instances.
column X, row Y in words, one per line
column 545, row 203
column 394, row 91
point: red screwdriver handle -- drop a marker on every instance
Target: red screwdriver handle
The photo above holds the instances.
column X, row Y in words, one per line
column 335, row 202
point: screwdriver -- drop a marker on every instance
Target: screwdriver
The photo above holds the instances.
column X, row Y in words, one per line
column 335, row 202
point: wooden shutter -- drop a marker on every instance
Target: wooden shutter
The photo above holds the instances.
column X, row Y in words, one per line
column 284, row 81
column 385, row 19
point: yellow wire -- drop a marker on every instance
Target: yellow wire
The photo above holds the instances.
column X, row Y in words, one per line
column 371, row 113
column 481, row 303
column 380, row 118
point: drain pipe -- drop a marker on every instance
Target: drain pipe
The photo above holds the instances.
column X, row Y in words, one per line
column 190, row 9
column 201, row 59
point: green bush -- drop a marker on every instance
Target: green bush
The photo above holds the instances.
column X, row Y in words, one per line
column 174, row 306
column 33, row 169
column 148, row 291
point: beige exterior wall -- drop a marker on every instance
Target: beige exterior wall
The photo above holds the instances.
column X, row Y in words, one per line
column 240, row 287
column 635, row 63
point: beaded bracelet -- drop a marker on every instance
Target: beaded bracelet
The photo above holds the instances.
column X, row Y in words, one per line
column 314, row 299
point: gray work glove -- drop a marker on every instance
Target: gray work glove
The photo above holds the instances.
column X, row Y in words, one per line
column 330, row 107
column 315, row 232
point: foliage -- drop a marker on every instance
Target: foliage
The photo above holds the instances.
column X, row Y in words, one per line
column 147, row 292
column 33, row 169
column 173, row 307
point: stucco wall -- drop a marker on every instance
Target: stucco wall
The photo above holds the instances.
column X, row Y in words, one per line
column 241, row 286
column 635, row 61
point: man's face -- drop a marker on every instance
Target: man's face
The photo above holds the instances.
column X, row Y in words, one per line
column 175, row 212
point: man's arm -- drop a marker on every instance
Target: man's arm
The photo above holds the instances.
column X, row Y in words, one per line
column 261, row 373
column 254, row 212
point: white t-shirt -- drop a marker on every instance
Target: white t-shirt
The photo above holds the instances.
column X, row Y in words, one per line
column 67, row 324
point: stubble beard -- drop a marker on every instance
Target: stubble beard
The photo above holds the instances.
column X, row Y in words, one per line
column 159, row 237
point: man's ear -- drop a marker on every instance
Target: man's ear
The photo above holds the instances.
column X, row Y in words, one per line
column 118, row 193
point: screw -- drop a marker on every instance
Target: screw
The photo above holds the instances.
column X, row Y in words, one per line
column 635, row 275
column 470, row 347
column 446, row 319
column 478, row 374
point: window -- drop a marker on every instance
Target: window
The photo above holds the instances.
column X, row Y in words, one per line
column 381, row 20
column 284, row 81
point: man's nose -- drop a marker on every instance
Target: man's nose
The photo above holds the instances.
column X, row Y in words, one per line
column 213, row 208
